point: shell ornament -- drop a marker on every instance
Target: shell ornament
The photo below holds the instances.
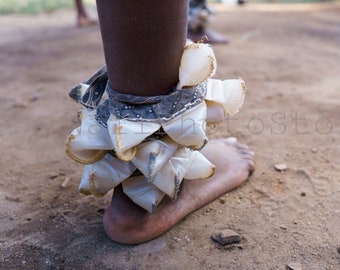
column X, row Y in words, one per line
column 150, row 157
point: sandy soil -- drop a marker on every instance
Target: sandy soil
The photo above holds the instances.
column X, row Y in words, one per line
column 290, row 59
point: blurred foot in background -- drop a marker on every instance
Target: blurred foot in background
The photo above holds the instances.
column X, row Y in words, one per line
column 198, row 24
column 83, row 19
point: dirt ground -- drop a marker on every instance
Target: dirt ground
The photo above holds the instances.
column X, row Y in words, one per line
column 289, row 57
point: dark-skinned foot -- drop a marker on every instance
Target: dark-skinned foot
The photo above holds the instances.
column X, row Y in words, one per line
column 127, row 223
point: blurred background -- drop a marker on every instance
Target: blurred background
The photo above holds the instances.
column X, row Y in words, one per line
column 37, row 6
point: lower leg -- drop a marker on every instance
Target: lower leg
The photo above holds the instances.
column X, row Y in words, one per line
column 143, row 44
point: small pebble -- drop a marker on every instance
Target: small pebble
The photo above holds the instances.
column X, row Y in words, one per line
column 338, row 249
column 101, row 211
column 222, row 201
column 294, row 266
column 66, row 182
column 12, row 199
column 54, row 176
column 303, row 194
column 20, row 105
column 280, row 167
column 34, row 98
column 177, row 239
column 283, row 227
column 314, row 150
column 226, row 237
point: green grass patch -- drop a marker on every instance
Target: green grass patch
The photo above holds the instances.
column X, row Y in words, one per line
column 36, row 6
column 279, row 1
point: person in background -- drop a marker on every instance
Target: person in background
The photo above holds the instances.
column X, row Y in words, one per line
column 83, row 19
column 198, row 24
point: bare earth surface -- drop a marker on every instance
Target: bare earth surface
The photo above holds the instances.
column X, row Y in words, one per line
column 289, row 57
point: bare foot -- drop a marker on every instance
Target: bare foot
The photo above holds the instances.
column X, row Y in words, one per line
column 85, row 22
column 127, row 223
